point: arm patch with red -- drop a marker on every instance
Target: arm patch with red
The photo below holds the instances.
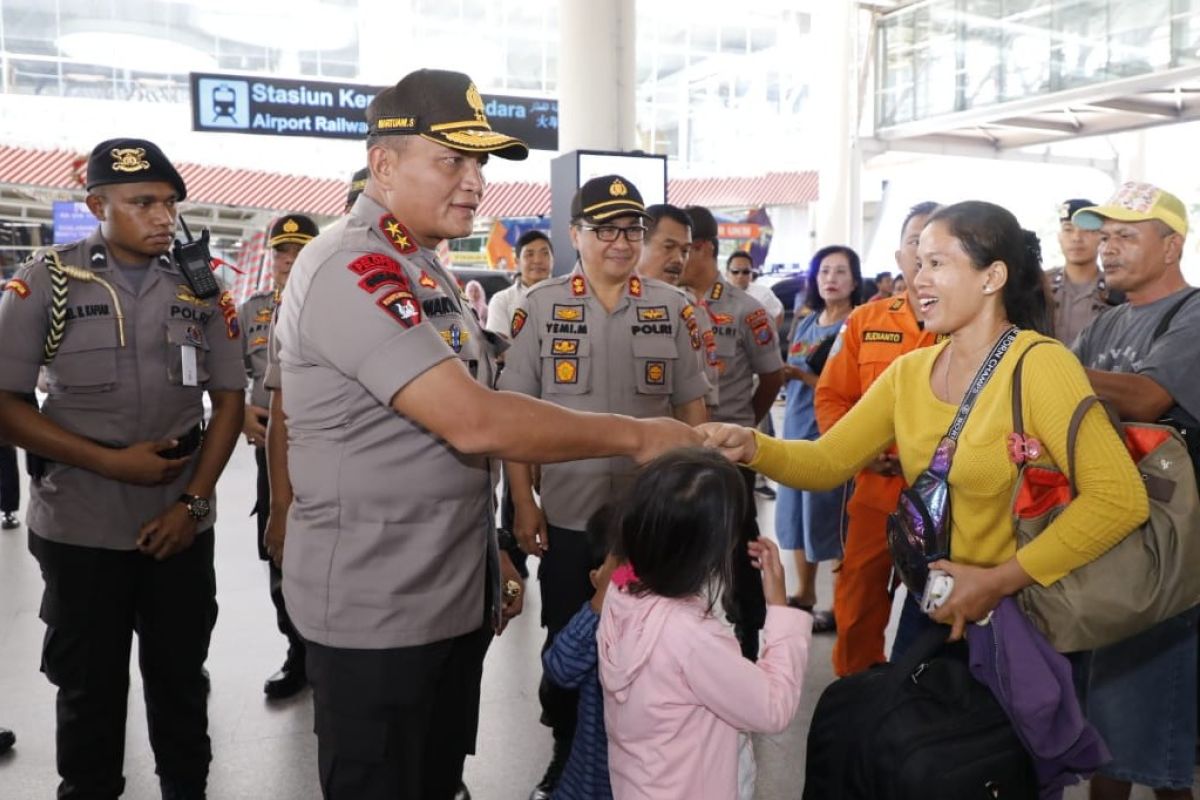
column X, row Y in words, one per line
column 378, row 270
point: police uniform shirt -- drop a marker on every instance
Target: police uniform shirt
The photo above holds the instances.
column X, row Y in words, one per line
column 388, row 533
column 1075, row 304
column 707, row 354
column 746, row 347
column 637, row 360
column 112, row 394
column 255, row 317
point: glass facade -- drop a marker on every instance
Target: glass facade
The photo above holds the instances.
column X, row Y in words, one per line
column 942, row 56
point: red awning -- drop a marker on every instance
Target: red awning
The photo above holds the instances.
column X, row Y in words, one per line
column 244, row 188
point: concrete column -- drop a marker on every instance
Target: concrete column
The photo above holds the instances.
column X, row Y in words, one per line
column 596, row 75
column 833, row 25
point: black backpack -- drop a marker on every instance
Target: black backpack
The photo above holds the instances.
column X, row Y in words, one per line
column 919, row 729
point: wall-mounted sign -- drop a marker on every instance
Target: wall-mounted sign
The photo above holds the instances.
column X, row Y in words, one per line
column 72, row 221
column 284, row 107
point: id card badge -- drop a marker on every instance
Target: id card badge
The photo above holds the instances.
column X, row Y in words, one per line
column 188, row 354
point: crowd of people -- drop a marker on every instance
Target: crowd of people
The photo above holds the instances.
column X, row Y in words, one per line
column 623, row 406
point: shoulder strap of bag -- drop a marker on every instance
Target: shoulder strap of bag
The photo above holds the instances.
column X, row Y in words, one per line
column 982, row 376
column 1165, row 322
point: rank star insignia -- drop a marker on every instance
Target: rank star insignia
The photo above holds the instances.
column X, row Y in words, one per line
column 717, row 290
column 426, row 281
column 578, row 286
column 397, row 234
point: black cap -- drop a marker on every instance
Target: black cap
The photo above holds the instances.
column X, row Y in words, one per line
column 443, row 107
column 292, row 229
column 607, row 197
column 1067, row 208
column 131, row 161
column 704, row 224
column 358, row 182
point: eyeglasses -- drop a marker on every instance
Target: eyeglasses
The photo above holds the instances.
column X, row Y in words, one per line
column 739, row 272
column 610, row 233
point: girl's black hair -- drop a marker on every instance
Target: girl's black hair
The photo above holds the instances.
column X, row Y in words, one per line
column 679, row 523
column 812, row 295
column 990, row 233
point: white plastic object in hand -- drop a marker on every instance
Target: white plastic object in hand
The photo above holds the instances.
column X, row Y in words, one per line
column 937, row 588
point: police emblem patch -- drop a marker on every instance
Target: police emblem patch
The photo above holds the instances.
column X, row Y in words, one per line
column 518, row 322
column 566, row 370
column 656, row 373
column 193, row 336
column 402, row 307
column 617, row 188
column 17, row 287
column 455, row 337
column 565, row 347
column 229, row 312
column 129, row 159
column 763, row 334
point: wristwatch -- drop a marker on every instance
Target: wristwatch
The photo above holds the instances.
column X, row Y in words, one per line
column 197, row 507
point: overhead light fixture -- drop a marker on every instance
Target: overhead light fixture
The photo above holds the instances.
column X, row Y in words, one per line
column 132, row 46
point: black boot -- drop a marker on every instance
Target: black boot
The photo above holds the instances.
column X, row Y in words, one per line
column 7, row 740
column 546, row 786
column 289, row 680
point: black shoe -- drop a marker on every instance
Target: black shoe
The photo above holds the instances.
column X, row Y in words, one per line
column 8, row 521
column 290, row 679
column 7, row 740
column 766, row 491
column 463, row 792
column 546, row 786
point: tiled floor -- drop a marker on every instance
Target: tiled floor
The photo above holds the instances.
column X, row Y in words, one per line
column 265, row 750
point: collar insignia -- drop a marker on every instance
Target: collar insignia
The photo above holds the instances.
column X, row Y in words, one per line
column 578, row 286
column 397, row 234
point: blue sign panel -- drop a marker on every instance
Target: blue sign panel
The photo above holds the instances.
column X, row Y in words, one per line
column 72, row 222
column 282, row 107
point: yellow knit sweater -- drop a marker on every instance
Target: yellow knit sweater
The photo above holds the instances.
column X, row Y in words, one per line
column 901, row 407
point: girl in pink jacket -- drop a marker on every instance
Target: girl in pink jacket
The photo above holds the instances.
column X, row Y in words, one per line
column 676, row 687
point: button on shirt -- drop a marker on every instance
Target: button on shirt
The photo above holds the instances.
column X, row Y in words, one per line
column 746, row 346
column 637, row 360
column 390, row 528
column 112, row 394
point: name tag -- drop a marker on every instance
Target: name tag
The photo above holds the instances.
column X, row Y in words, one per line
column 188, row 355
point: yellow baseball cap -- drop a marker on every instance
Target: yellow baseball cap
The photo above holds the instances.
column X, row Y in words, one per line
column 1136, row 202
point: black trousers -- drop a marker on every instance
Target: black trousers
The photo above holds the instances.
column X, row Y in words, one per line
column 262, row 510
column 94, row 600
column 744, row 602
column 565, row 586
column 396, row 724
column 10, row 480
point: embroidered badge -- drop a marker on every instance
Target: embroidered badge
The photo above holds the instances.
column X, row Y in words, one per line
column 721, row 319
column 378, row 270
column 129, row 159
column 566, row 370
column 617, row 188
column 263, row 314
column 756, row 316
column 426, row 281
column 763, row 334
column 568, row 313
column 229, row 312
column 565, row 347
column 455, row 337
column 258, row 340
column 578, row 286
column 518, row 322
column 656, row 314
column 718, row 289
column 688, row 311
column 475, row 101
column 401, row 306
column 184, row 295
column 397, row 234
column 710, row 347
column 18, row 287
column 635, row 286
column 896, row 304
column 193, row 336
column 656, row 373
column 888, row 337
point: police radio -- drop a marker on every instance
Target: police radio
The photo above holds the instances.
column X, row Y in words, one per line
column 195, row 262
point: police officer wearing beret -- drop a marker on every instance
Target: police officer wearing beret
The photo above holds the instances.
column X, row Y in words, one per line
column 122, row 508
column 390, row 561
column 1078, row 289
column 286, row 237
column 750, row 373
column 602, row 338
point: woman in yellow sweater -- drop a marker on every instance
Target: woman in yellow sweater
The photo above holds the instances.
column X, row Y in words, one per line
column 978, row 276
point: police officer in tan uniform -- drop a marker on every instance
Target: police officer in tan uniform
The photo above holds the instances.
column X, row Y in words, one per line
column 750, row 372
column 122, row 509
column 286, row 237
column 390, row 561
column 599, row 339
column 1078, row 289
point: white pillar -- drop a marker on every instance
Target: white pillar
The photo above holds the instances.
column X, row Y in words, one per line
column 833, row 27
column 596, row 75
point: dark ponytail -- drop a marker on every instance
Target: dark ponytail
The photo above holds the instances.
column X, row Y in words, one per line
column 989, row 233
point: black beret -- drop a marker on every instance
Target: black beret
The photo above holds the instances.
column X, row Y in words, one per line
column 607, row 197
column 1067, row 208
column 131, row 161
column 443, row 107
column 292, row 229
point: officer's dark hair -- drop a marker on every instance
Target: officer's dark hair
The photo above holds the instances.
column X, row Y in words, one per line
column 739, row 254
column 704, row 227
column 989, row 233
column 678, row 524
column 661, row 211
column 919, row 210
column 600, row 534
column 529, row 237
column 812, row 292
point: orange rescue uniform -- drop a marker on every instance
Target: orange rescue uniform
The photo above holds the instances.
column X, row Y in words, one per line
column 875, row 335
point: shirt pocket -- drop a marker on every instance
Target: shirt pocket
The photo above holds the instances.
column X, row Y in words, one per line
column 181, row 334
column 87, row 358
column 566, row 365
column 654, row 360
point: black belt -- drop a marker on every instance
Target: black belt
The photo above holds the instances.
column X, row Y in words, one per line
column 187, row 444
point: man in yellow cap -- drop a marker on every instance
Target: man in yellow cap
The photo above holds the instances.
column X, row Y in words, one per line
column 1141, row 356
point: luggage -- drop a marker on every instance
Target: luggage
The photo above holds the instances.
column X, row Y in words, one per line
column 919, row 729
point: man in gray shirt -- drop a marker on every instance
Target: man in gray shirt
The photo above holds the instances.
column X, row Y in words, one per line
column 535, row 256
column 1141, row 357
column 390, row 561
